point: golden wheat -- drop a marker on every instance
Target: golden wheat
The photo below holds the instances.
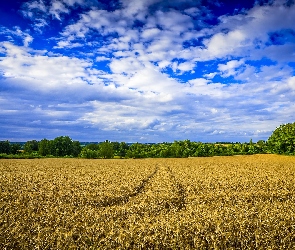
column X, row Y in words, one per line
column 245, row 202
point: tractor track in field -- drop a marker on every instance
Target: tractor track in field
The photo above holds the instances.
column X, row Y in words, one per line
column 118, row 200
column 163, row 193
column 161, row 189
column 179, row 189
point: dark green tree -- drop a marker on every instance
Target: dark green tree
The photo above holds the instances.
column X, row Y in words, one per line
column 31, row 146
column 92, row 146
column 137, row 150
column 262, row 146
column 177, row 148
column 62, row 146
column 45, row 147
column 4, row 147
column 76, row 148
column 89, row 153
column 123, row 148
column 116, row 147
column 165, row 150
column 15, row 148
column 282, row 140
column 106, row 150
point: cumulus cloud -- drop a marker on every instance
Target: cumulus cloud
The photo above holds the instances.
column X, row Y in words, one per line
column 229, row 69
column 221, row 44
column 42, row 11
column 17, row 33
column 156, row 70
column 57, row 8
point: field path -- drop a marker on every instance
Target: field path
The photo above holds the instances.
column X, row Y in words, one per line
column 162, row 192
column 158, row 191
column 119, row 200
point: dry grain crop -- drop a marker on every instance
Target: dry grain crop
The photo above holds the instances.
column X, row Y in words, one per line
column 245, row 202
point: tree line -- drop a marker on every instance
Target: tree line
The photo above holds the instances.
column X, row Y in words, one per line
column 282, row 141
column 64, row 146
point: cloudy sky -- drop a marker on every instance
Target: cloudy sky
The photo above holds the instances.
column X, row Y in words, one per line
column 146, row 70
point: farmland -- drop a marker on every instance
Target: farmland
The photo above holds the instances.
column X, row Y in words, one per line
column 232, row 202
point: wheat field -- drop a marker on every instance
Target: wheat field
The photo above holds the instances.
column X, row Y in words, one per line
column 236, row 202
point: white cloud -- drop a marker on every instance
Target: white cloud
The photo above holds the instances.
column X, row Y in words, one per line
column 174, row 21
column 102, row 58
column 34, row 5
column 202, row 87
column 124, row 116
column 126, row 65
column 280, row 53
column 192, row 11
column 57, row 8
column 135, row 91
column 41, row 11
column 27, row 39
column 221, row 45
column 45, row 73
column 210, row 75
column 36, row 10
column 251, row 30
column 186, row 66
column 78, row 2
column 150, row 33
column 291, row 83
column 229, row 69
column 136, row 8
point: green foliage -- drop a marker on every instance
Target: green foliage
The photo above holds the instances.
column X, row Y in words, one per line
column 282, row 140
column 92, row 146
column 64, row 146
column 89, row 154
column 122, row 150
column 31, row 146
column 106, row 150
column 45, row 147
column 4, row 147
column 7, row 148
column 76, row 149
column 15, row 148
column 19, row 156
column 102, row 150
column 138, row 150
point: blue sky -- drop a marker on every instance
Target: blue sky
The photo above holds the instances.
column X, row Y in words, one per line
column 146, row 71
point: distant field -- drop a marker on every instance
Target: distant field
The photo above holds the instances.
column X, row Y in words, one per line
column 245, row 202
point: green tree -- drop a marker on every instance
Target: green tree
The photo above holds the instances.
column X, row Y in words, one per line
column 89, row 153
column 177, row 149
column 31, row 146
column 123, row 148
column 4, row 147
column 45, row 147
column 76, row 148
column 262, row 146
column 204, row 150
column 106, row 150
column 165, row 150
column 116, row 147
column 15, row 148
column 62, row 146
column 92, row 146
column 137, row 150
column 282, row 140
column 261, row 143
